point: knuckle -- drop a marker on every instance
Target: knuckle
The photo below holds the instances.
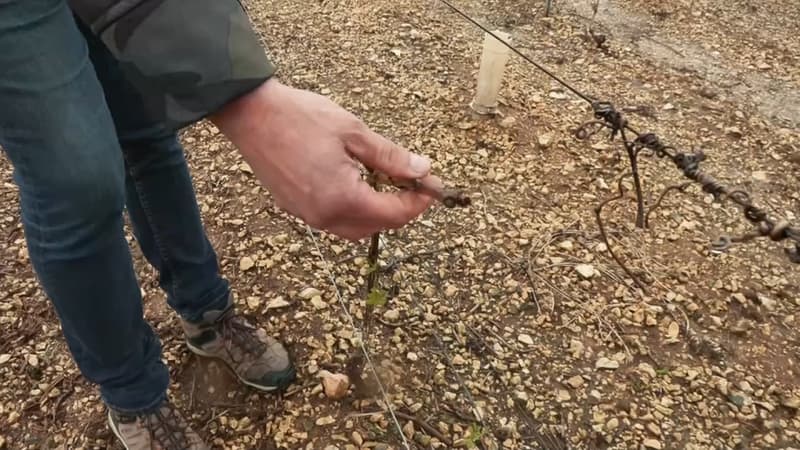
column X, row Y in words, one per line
column 389, row 155
column 358, row 125
column 355, row 129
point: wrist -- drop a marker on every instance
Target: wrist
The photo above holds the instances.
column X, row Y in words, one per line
column 239, row 116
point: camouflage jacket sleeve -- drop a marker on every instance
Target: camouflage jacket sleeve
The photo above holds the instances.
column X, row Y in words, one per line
column 187, row 61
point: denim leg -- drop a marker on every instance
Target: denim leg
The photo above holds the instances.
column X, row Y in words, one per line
column 160, row 198
column 166, row 219
column 58, row 133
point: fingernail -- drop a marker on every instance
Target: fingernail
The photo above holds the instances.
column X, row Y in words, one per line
column 419, row 164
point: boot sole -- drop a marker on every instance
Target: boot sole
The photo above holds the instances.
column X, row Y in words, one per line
column 290, row 372
column 115, row 430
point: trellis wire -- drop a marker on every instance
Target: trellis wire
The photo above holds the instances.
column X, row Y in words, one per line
column 687, row 163
column 360, row 336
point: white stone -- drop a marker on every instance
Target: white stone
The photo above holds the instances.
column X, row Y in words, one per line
column 575, row 382
column 317, row 302
column 309, row 292
column 545, row 140
column 585, row 270
column 525, row 339
column 276, row 303
column 673, row 330
column 566, row 245
column 246, row 263
column 253, row 302
column 327, row 420
column 652, row 443
column 605, row 363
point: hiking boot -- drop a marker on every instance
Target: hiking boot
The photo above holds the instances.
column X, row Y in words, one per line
column 163, row 429
column 257, row 359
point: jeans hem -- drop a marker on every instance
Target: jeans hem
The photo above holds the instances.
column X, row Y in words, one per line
column 220, row 303
column 151, row 407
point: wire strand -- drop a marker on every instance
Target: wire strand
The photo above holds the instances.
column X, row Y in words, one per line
column 440, row 342
column 363, row 346
column 548, row 72
column 688, row 163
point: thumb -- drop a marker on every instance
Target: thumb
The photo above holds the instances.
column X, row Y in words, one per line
column 381, row 154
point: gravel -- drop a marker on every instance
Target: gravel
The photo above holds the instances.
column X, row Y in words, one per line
column 508, row 324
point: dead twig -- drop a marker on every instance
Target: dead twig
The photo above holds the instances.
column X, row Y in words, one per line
column 425, row 426
column 633, row 156
column 597, row 212
column 456, row 413
column 450, row 198
column 556, row 290
column 191, row 392
column 529, row 273
column 372, row 278
column 539, row 432
column 595, row 8
column 69, row 390
column 393, row 325
column 372, row 261
column 228, row 406
column 57, row 404
column 300, row 388
column 397, row 261
column 44, row 395
column 214, row 417
column 678, row 187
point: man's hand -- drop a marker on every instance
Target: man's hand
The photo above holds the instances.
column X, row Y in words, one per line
column 303, row 148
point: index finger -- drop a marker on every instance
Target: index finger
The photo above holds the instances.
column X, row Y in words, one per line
column 390, row 209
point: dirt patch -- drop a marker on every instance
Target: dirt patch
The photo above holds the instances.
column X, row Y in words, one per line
column 509, row 324
column 775, row 97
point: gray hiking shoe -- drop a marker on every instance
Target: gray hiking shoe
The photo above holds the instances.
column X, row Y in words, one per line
column 257, row 359
column 164, row 429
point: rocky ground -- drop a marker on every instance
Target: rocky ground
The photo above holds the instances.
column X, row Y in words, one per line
column 508, row 324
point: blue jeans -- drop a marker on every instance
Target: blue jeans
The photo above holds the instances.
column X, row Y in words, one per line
column 83, row 151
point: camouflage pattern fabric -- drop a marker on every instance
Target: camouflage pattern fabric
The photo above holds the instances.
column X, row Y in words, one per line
column 187, row 62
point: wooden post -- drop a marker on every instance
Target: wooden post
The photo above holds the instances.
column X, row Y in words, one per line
column 490, row 76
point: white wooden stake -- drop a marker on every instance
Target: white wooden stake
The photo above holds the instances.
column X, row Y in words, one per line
column 490, row 76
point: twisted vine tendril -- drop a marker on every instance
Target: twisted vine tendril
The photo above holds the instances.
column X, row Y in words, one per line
column 607, row 116
column 689, row 165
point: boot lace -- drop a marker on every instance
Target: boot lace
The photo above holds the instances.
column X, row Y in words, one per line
column 167, row 428
column 238, row 332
